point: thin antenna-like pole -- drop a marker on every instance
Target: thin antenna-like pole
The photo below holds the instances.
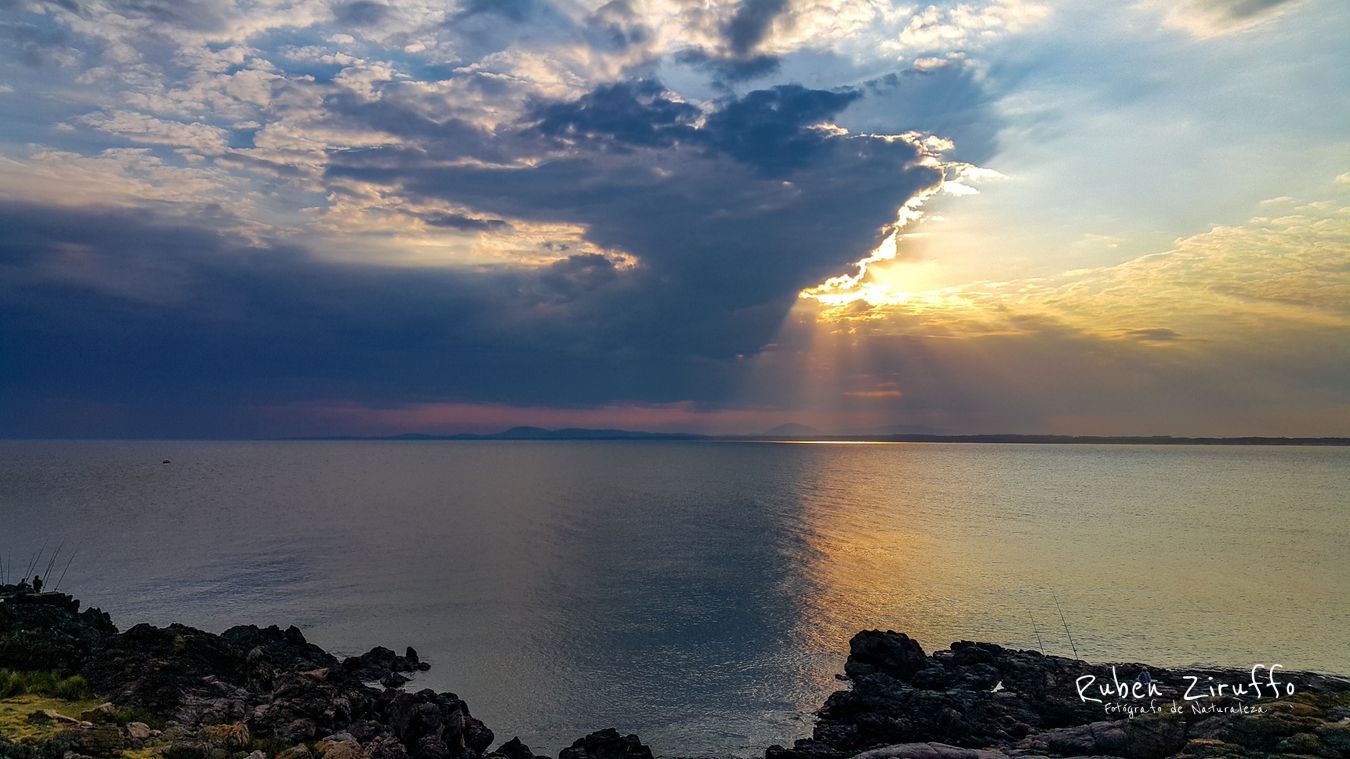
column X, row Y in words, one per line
column 67, row 569
column 1037, row 630
column 1066, row 624
column 52, row 562
column 33, row 561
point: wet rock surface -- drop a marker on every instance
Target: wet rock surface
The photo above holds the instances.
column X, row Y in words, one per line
column 257, row 692
column 980, row 700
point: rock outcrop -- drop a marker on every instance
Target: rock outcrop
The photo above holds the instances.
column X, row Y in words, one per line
column 980, row 700
column 258, row 692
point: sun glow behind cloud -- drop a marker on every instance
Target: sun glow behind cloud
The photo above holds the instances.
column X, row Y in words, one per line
column 1253, row 317
column 874, row 281
column 594, row 212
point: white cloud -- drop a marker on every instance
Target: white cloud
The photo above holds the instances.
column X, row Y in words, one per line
column 139, row 127
column 1213, row 18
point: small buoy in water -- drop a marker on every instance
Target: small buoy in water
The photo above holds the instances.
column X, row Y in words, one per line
column 166, row 461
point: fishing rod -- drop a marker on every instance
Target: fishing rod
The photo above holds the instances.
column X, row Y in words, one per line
column 52, row 562
column 1065, row 622
column 33, row 561
column 73, row 554
column 1036, row 630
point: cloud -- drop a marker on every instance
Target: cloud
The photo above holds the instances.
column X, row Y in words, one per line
column 1153, row 334
column 360, row 13
column 139, row 127
column 628, row 114
column 462, row 222
column 433, row 206
column 515, row 10
column 92, row 302
column 699, row 228
column 751, row 23
column 1229, row 332
column 198, row 15
column 732, row 213
column 1209, row 18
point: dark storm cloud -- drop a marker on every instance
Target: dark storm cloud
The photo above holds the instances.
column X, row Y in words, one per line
column 729, row 218
column 616, row 26
column 738, row 61
column 200, row 15
column 462, row 222
column 513, row 10
column 626, row 113
column 727, row 70
column 729, row 213
column 771, row 128
column 360, row 13
column 116, row 307
column 751, row 23
column 950, row 100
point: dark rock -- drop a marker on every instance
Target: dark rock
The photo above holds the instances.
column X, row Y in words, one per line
column 477, row 736
column 194, row 749
column 513, row 749
column 890, row 653
column 343, row 749
column 386, row 747
column 366, row 730
column 222, row 696
column 394, row 680
column 980, row 696
column 607, row 744
column 431, row 747
column 929, row 751
column 380, row 662
column 299, row 730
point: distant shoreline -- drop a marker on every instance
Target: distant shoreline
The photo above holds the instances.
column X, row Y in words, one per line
column 629, row 437
column 533, row 434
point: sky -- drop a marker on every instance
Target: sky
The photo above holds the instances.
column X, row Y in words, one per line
column 272, row 218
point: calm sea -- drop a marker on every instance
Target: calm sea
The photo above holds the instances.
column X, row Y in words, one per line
column 700, row 594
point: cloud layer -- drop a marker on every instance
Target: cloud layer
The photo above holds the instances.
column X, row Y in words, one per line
column 254, row 217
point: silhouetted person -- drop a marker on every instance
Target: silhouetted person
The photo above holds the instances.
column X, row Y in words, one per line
column 37, row 583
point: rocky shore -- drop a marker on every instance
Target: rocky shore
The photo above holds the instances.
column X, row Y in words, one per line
column 258, row 692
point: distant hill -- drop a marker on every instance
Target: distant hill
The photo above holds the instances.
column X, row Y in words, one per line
column 582, row 433
column 806, row 432
column 793, row 429
column 530, row 433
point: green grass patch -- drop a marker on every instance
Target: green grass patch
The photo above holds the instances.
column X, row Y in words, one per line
column 14, row 712
column 50, row 684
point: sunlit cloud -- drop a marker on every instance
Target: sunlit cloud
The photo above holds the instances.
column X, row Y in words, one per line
column 1210, row 18
column 674, row 213
column 957, row 179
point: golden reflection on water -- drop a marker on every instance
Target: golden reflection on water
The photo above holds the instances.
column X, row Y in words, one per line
column 835, row 442
column 994, row 545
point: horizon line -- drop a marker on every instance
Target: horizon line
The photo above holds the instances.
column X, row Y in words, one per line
column 584, row 434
